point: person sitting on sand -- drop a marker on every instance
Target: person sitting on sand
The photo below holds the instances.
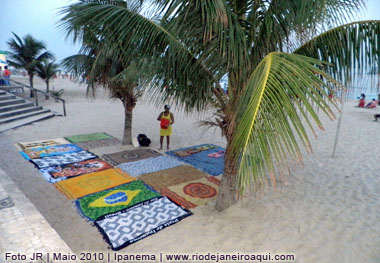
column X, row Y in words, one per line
column 372, row 104
column 166, row 119
column 361, row 102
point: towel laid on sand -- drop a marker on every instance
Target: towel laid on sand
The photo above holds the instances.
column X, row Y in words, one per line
column 115, row 199
column 52, row 150
column 130, row 156
column 63, row 159
column 210, row 161
column 130, row 225
column 92, row 183
column 149, row 165
column 88, row 137
column 21, row 146
column 58, row 173
column 193, row 193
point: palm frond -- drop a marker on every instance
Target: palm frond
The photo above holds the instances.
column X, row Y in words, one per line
column 351, row 48
column 283, row 88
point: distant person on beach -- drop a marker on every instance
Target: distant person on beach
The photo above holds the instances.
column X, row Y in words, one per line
column 6, row 76
column 376, row 116
column 166, row 119
column 378, row 99
column 361, row 102
column 372, row 104
column 1, row 76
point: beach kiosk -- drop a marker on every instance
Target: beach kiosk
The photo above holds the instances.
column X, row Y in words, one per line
column 3, row 60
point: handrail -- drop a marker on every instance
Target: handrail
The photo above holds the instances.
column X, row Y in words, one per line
column 45, row 93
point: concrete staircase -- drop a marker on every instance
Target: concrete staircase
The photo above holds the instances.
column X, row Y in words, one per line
column 16, row 111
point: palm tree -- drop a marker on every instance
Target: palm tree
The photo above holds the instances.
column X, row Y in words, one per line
column 26, row 54
column 281, row 58
column 46, row 70
column 103, row 67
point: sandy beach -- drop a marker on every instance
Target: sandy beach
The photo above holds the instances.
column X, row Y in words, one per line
column 326, row 211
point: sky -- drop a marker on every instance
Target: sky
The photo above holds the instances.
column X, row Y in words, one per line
column 39, row 18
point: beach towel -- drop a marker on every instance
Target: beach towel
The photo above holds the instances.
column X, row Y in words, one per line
column 115, row 199
column 63, row 159
column 210, row 161
column 172, row 176
column 194, row 193
column 21, row 146
column 92, row 183
column 52, row 150
column 149, row 165
column 55, row 174
column 130, row 156
column 130, row 225
column 88, row 137
column 98, row 143
column 184, row 152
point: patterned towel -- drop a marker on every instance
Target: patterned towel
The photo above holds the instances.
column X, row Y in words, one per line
column 88, row 137
column 193, row 193
column 149, row 165
column 55, row 174
column 63, row 159
column 115, row 199
column 21, row 146
column 92, row 183
column 210, row 161
column 130, row 156
column 184, row 152
column 52, row 150
column 130, row 225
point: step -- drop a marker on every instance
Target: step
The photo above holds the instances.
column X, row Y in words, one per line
column 2, row 92
column 7, row 97
column 11, row 102
column 19, row 111
column 22, row 122
column 22, row 116
column 16, row 106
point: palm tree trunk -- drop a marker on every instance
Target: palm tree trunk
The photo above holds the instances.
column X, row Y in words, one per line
column 31, row 84
column 47, row 90
column 128, row 110
column 227, row 191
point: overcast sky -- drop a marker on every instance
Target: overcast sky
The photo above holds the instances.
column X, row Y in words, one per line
column 39, row 18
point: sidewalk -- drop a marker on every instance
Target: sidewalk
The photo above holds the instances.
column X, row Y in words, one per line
column 23, row 230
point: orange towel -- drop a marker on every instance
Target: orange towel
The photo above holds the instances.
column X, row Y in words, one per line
column 92, row 183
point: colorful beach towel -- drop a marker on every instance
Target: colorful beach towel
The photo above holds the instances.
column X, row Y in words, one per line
column 98, row 143
column 210, row 161
column 115, row 199
column 88, row 137
column 150, row 165
column 92, row 183
column 63, row 159
column 26, row 145
column 55, row 174
column 194, row 193
column 130, row 225
column 184, row 152
column 130, row 156
column 172, row 176
column 53, row 150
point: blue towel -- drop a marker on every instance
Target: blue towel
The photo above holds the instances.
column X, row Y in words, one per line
column 201, row 160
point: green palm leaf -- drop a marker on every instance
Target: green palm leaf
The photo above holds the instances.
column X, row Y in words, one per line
column 351, row 48
column 283, row 88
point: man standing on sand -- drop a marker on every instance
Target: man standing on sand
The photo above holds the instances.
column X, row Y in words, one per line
column 167, row 119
